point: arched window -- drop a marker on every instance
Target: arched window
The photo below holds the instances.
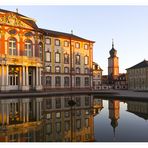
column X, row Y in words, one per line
column 41, row 51
column 28, row 48
column 12, row 46
column 86, row 62
column 57, row 57
column 77, row 70
column 66, row 58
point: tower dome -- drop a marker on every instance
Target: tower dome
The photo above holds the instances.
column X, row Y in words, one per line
column 113, row 51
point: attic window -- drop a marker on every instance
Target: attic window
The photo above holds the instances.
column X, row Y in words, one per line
column 12, row 31
column 28, row 34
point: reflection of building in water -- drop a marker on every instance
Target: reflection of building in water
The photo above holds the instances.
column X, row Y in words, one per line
column 15, row 111
column 59, row 121
column 114, row 113
column 97, row 105
column 138, row 108
column 69, row 124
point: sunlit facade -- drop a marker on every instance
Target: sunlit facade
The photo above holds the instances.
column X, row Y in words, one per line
column 32, row 58
column 68, row 61
column 97, row 76
column 113, row 65
column 20, row 52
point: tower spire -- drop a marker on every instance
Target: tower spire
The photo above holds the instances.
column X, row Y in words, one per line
column 112, row 43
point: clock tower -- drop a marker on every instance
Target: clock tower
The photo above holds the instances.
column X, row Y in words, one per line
column 113, row 64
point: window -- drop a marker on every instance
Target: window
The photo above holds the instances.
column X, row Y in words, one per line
column 57, row 57
column 85, row 46
column 86, row 81
column 78, row 81
column 86, row 71
column 66, row 69
column 77, row 70
column 48, row 41
column 87, row 100
column 49, row 116
column 78, row 101
column 78, row 123
column 13, row 75
column 48, row 56
column 49, row 128
column 77, row 45
column 49, row 103
column 87, row 136
column 86, row 122
column 67, row 125
column 77, row 59
column 41, row 51
column 87, row 112
column 58, row 115
column 48, row 68
column 66, row 81
column 86, row 60
column 58, row 102
column 78, row 112
column 57, row 42
column 57, row 81
column 66, row 43
column 48, row 80
column 12, row 46
column 66, row 100
column 58, row 127
column 67, row 114
column 28, row 48
column 66, row 58
column 57, row 69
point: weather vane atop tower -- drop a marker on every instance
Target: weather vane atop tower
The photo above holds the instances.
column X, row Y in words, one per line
column 112, row 43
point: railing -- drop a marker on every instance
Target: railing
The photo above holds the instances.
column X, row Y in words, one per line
column 16, row 60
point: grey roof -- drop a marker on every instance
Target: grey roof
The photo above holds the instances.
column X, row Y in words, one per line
column 65, row 35
column 139, row 65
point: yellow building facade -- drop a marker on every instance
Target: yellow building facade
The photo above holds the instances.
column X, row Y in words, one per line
column 67, row 61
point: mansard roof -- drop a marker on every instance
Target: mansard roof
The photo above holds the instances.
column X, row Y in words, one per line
column 64, row 35
column 142, row 64
column 25, row 19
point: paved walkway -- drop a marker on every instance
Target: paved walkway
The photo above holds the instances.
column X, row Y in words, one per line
column 102, row 93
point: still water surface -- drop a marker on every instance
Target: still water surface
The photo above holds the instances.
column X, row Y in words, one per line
column 87, row 119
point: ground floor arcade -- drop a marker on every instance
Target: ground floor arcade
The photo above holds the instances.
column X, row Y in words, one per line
column 18, row 77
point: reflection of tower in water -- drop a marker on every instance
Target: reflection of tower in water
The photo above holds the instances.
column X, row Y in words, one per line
column 114, row 113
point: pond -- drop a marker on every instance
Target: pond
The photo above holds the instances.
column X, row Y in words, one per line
column 78, row 118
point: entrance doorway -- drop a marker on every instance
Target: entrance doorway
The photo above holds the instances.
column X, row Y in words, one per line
column 13, row 78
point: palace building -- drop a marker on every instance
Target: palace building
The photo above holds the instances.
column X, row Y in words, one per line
column 32, row 58
column 68, row 61
column 21, row 49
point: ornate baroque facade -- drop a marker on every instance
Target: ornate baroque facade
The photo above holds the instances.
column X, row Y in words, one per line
column 20, row 59
column 35, row 58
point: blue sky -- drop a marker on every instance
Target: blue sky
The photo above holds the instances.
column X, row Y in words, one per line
column 127, row 25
